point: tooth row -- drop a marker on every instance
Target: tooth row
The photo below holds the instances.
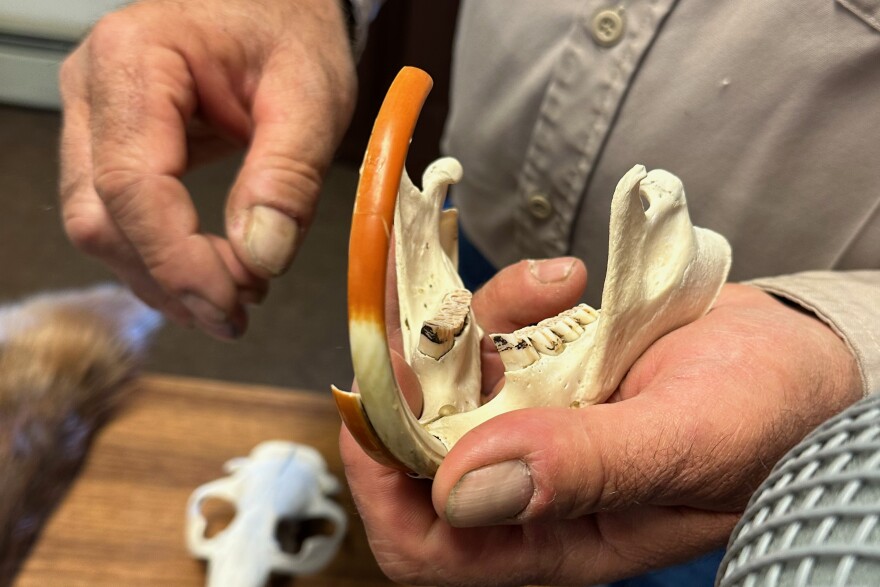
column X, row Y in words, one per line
column 524, row 346
column 438, row 334
column 582, row 313
column 543, row 339
column 569, row 325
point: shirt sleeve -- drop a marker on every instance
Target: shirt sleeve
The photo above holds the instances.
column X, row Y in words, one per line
column 361, row 13
column 848, row 301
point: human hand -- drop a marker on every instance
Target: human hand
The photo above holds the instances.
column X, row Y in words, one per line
column 656, row 476
column 163, row 85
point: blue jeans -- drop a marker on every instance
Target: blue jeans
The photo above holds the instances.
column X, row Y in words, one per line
column 699, row 572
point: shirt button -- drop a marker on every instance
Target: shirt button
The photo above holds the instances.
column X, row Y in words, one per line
column 539, row 206
column 607, row 27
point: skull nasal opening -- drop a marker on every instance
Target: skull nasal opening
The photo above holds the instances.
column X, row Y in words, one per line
column 292, row 533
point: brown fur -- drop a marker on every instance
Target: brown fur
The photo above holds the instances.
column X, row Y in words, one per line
column 65, row 360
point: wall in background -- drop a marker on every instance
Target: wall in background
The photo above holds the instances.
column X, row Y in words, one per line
column 35, row 36
column 405, row 33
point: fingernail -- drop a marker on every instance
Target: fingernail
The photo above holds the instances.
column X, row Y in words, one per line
column 490, row 495
column 270, row 237
column 225, row 332
column 552, row 270
column 209, row 317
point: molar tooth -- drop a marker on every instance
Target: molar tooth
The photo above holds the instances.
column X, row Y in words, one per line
column 570, row 324
column 460, row 302
column 543, row 339
column 438, row 334
column 515, row 352
column 437, row 338
column 564, row 327
column 583, row 313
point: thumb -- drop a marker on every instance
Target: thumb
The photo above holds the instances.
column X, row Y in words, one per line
column 556, row 463
column 529, row 291
column 519, row 295
column 299, row 117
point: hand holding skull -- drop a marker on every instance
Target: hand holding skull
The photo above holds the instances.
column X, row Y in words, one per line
column 655, row 476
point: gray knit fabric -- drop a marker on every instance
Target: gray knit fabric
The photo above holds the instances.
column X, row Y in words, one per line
column 816, row 519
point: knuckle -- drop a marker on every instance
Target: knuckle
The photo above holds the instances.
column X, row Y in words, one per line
column 88, row 233
column 115, row 31
column 334, row 88
column 587, row 487
column 112, row 184
column 289, row 175
column 69, row 75
column 165, row 266
column 282, row 182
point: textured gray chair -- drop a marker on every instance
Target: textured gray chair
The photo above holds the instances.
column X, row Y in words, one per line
column 816, row 519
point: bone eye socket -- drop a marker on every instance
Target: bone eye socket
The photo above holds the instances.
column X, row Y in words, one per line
column 218, row 514
column 292, row 533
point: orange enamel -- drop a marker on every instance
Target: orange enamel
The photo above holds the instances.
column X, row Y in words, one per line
column 371, row 231
column 355, row 419
column 368, row 260
column 377, row 193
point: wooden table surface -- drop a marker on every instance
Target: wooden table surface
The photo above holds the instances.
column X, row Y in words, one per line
column 122, row 523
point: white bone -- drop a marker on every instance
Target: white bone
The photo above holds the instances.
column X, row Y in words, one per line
column 279, row 481
column 662, row 273
column 425, row 244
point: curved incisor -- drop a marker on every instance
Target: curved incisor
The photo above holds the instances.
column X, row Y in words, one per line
column 379, row 417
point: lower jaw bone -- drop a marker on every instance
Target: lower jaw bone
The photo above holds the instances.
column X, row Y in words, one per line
column 662, row 273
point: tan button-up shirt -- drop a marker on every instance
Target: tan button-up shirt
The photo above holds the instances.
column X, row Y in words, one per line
column 768, row 111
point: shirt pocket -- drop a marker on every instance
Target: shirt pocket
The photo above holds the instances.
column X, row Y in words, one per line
column 866, row 10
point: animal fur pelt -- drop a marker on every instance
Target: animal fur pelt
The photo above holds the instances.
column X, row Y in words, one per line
column 65, row 360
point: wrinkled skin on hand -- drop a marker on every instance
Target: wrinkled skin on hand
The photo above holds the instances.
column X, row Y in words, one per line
column 163, row 85
column 656, row 476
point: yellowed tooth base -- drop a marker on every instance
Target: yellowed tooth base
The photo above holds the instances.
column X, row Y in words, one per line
column 384, row 404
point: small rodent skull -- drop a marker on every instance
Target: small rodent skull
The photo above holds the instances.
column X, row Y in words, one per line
column 279, row 484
